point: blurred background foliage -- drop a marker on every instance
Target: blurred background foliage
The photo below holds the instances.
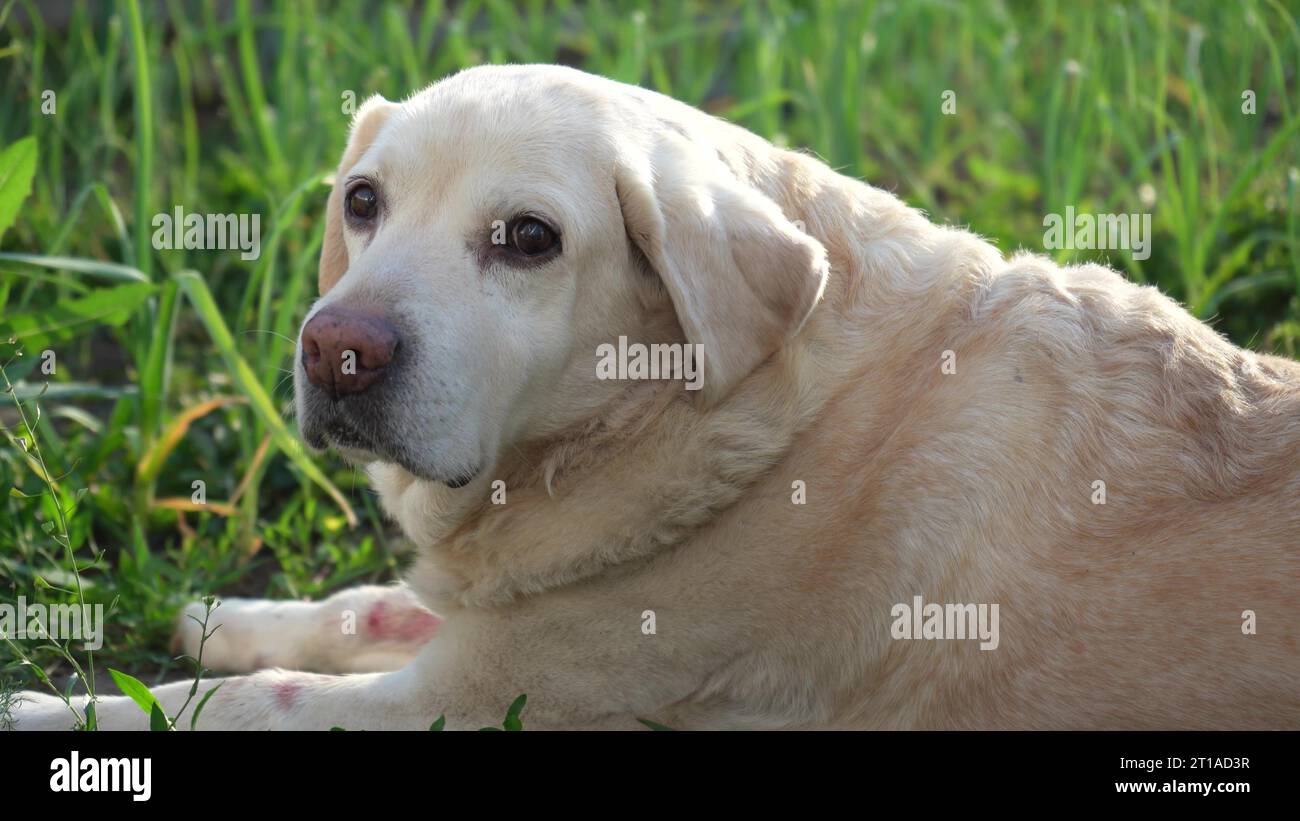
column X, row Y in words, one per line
column 172, row 365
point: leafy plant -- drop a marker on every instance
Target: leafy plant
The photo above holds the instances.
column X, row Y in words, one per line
column 512, row 721
column 17, row 166
column 145, row 699
column 28, row 441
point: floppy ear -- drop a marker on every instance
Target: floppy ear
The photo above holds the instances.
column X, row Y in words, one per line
column 741, row 276
column 369, row 118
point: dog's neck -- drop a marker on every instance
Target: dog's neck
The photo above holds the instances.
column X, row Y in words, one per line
column 660, row 465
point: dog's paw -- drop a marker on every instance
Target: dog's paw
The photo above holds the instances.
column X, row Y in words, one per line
column 222, row 650
column 244, row 635
column 41, row 711
column 186, row 632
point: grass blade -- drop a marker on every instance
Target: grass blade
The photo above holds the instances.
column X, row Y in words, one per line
column 246, row 380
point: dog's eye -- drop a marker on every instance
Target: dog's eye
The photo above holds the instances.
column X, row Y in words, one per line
column 362, row 202
column 531, row 237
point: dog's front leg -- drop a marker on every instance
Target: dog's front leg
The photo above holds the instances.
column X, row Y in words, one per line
column 269, row 700
column 579, row 656
column 360, row 630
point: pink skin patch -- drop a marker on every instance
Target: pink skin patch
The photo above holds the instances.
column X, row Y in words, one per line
column 407, row 624
column 285, row 694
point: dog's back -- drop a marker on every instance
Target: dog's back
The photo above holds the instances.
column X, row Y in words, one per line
column 1120, row 480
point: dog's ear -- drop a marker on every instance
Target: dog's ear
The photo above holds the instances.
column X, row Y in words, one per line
column 741, row 276
column 373, row 113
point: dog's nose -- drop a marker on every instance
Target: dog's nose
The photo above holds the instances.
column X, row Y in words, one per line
column 346, row 351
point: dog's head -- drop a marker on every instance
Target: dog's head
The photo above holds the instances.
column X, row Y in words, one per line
column 487, row 236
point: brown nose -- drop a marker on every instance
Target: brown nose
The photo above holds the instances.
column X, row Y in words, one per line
column 346, row 351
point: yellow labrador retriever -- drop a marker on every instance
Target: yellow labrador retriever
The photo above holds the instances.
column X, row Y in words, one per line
column 690, row 428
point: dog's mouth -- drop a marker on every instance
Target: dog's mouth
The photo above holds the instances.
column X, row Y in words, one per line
column 362, row 446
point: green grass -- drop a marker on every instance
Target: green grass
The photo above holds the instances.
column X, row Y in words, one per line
column 172, row 365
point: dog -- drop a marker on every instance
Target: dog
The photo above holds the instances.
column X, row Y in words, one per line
column 888, row 413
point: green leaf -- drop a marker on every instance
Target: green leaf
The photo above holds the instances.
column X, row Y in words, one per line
column 512, row 721
column 62, row 391
column 136, row 690
column 158, row 722
column 194, row 719
column 17, row 167
column 37, row 670
column 91, row 267
column 104, row 306
column 439, row 724
column 654, row 725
